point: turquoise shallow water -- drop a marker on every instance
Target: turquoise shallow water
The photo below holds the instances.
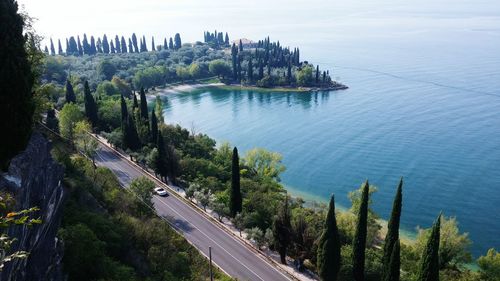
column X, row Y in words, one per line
column 423, row 103
column 443, row 139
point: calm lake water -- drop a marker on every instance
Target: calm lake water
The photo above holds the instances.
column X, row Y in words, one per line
column 423, row 103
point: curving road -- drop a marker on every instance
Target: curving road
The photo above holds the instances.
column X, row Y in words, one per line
column 228, row 252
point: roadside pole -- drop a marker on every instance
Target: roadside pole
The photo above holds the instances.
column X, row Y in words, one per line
column 210, row 257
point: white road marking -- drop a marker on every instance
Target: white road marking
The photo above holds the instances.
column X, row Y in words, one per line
column 202, row 232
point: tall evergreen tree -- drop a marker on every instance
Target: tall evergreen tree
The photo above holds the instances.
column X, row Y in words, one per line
column 124, row 109
column 93, row 49
column 240, row 46
column 105, row 44
column 392, row 235
column 328, row 263
column 134, row 41
column 178, row 42
column 46, row 50
column 52, row 48
column 359, row 242
column 394, row 265
column 111, row 47
column 85, row 45
column 261, row 69
column 70, row 93
column 171, row 44
column 16, row 82
column 144, row 105
column 98, row 45
column 117, row 44
column 130, row 46
column 250, row 70
column 154, row 126
column 67, row 47
column 79, row 46
column 59, row 47
column 429, row 269
column 123, row 44
column 226, row 40
column 165, row 44
column 153, row 48
column 317, row 74
column 282, row 231
column 235, row 199
column 130, row 136
column 90, row 105
column 289, row 72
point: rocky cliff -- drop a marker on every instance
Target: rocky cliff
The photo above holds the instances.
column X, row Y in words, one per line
column 35, row 179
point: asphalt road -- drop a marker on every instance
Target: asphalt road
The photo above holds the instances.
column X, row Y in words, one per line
column 227, row 251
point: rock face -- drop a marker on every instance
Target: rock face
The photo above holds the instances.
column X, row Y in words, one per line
column 35, row 179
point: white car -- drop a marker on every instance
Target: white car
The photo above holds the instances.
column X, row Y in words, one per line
column 161, row 191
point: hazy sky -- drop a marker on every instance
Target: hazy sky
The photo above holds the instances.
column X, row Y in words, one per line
column 291, row 21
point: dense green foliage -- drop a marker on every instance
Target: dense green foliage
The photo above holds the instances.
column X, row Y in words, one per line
column 17, row 78
column 245, row 189
column 109, row 234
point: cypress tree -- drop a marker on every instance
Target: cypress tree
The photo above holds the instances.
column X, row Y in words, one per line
column 171, row 44
column 144, row 43
column 429, row 270
column 317, row 74
column 123, row 109
column 250, row 70
column 79, row 46
column 235, row 200
column 394, row 265
column 105, row 44
column 154, row 126
column 130, row 46
column 130, row 135
column 165, row 44
column 52, row 48
column 111, row 47
column 153, row 48
column 144, row 105
column 178, row 42
column 289, row 73
column 70, row 93
column 90, row 105
column 16, row 80
column 93, row 49
column 59, row 47
column 67, row 47
column 123, row 44
column 134, row 42
column 240, row 46
column 72, row 47
column 359, row 243
column 46, row 50
column 99, row 45
column 86, row 45
column 117, row 44
column 226, row 40
column 329, row 247
column 392, row 235
column 282, row 231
